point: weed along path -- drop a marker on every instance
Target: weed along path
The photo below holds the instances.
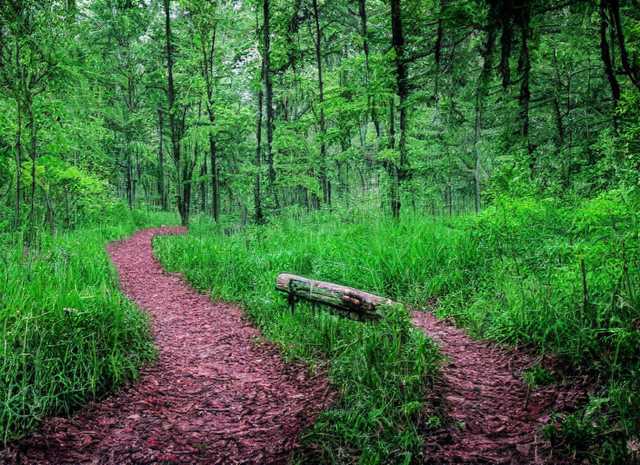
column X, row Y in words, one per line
column 217, row 394
column 494, row 417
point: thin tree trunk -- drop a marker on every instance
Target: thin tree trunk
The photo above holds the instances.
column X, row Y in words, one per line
column 161, row 182
column 268, row 91
column 326, row 195
column 207, row 70
column 438, row 47
column 181, row 188
column 257, row 196
column 18, row 155
column 50, row 212
column 397, row 39
column 631, row 70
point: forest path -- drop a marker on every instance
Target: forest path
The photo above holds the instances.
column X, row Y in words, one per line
column 217, row 395
column 495, row 420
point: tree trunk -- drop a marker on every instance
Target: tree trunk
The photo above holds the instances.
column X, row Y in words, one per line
column 33, row 152
column 392, row 167
column 203, row 185
column 365, row 47
column 524, row 66
column 50, row 212
column 215, row 181
column 481, row 93
column 605, row 53
column 268, row 93
column 324, row 184
column 207, row 71
column 397, row 41
column 18, row 155
column 161, row 182
column 129, row 177
column 257, row 196
column 181, row 188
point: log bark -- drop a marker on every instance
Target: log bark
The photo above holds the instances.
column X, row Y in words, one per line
column 342, row 298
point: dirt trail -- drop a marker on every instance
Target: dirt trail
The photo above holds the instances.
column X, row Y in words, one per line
column 498, row 422
column 216, row 395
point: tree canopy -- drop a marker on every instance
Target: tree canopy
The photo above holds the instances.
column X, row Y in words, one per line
column 248, row 107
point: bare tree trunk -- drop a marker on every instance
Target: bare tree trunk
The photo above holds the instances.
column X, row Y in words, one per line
column 392, row 167
column 605, row 53
column 215, row 179
column 365, row 46
column 524, row 66
column 207, row 71
column 33, row 151
column 481, row 93
column 203, row 185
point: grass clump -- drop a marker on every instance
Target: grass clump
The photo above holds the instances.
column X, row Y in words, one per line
column 67, row 333
column 381, row 370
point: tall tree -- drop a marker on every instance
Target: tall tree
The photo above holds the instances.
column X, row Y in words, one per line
column 184, row 169
column 268, row 94
column 325, row 184
column 402, row 88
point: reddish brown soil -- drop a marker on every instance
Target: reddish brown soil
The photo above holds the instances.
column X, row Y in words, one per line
column 217, row 395
column 494, row 419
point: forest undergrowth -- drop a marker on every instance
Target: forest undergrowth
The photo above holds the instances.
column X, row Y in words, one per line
column 557, row 277
column 68, row 334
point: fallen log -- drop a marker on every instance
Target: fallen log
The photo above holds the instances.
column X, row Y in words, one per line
column 346, row 300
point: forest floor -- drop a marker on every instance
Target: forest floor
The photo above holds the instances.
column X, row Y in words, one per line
column 218, row 393
column 493, row 416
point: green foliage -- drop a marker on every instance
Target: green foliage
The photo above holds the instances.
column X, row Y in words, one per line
column 68, row 334
column 380, row 370
column 523, row 262
column 513, row 274
column 537, row 376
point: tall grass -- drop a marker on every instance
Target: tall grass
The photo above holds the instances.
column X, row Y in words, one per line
column 380, row 370
column 562, row 278
column 67, row 335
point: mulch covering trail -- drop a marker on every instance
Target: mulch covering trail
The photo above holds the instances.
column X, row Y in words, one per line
column 217, row 395
column 494, row 419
